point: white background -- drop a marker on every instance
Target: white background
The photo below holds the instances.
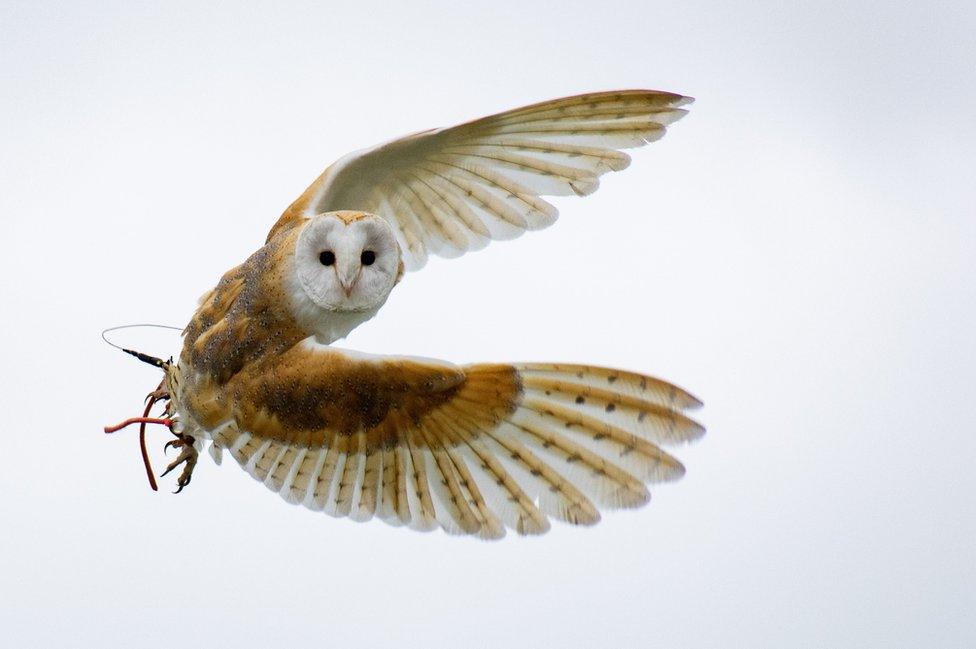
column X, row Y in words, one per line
column 798, row 252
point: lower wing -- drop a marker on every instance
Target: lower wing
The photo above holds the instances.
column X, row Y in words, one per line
column 472, row 450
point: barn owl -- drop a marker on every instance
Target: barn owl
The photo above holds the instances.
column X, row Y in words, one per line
column 415, row 442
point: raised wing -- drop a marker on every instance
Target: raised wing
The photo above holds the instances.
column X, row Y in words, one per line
column 473, row 450
column 450, row 190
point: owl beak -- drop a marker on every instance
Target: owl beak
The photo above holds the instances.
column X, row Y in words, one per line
column 347, row 278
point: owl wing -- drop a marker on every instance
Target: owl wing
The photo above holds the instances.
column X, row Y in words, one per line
column 450, row 190
column 473, row 449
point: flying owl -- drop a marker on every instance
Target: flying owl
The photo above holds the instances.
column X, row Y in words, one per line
column 415, row 442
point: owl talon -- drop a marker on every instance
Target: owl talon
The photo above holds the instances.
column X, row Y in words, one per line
column 175, row 443
column 182, row 482
column 187, row 457
column 159, row 394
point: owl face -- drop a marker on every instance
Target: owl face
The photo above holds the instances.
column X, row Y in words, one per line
column 347, row 262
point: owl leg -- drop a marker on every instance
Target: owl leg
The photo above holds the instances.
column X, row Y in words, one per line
column 187, row 457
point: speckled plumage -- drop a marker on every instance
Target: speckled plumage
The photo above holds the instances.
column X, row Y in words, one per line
column 417, row 442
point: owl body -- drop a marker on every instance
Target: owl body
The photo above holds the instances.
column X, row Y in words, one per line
column 255, row 314
column 422, row 443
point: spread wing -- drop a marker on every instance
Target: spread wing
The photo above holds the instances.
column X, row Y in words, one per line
column 450, row 190
column 473, row 450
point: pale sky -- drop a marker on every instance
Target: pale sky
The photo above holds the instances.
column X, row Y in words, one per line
column 798, row 252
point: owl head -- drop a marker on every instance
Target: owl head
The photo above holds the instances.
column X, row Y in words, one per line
column 346, row 262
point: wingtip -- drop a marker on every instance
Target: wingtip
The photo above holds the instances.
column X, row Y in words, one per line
column 693, row 402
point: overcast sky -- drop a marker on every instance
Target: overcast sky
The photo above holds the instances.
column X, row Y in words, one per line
column 798, row 252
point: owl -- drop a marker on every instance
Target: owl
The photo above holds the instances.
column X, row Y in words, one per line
column 420, row 443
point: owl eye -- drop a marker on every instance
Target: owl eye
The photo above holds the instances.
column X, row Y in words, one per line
column 327, row 257
column 367, row 258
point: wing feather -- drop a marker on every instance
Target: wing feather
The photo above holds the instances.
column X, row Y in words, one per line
column 444, row 480
column 289, row 491
column 506, row 496
column 448, row 204
column 403, row 509
column 479, row 193
column 388, row 486
column 525, row 209
column 426, row 516
column 367, row 488
column 352, row 476
column 328, row 482
column 311, row 479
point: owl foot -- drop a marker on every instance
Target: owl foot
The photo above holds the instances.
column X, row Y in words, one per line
column 187, row 457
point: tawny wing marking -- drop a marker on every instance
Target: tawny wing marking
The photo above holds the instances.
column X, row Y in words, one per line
column 472, row 449
column 450, row 190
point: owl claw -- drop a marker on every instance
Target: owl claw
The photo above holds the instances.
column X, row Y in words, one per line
column 187, row 457
column 159, row 394
column 182, row 483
